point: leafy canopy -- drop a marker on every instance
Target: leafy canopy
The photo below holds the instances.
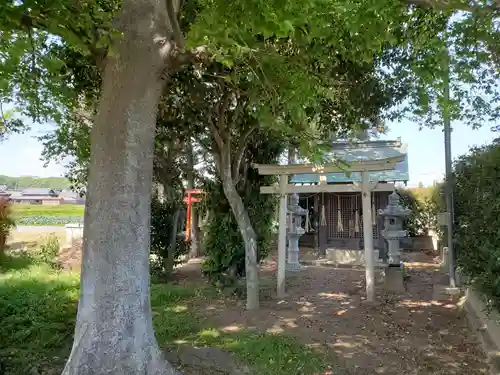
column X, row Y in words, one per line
column 404, row 44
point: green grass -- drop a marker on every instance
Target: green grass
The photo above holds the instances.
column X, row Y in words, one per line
column 23, row 210
column 38, row 309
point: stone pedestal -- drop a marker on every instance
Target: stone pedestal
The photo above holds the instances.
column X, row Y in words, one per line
column 444, row 258
column 394, row 279
column 295, row 231
column 293, row 263
column 394, row 215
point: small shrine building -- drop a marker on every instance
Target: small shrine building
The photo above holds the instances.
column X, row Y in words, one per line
column 342, row 201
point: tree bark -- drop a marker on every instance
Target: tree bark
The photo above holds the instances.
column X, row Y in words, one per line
column 250, row 240
column 114, row 333
column 195, row 250
column 169, row 261
column 246, row 229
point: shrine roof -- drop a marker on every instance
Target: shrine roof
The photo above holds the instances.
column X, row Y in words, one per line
column 368, row 150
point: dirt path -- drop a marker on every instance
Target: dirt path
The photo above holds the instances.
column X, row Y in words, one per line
column 406, row 334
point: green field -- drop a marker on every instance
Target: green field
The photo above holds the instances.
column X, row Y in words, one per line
column 36, row 215
column 22, row 210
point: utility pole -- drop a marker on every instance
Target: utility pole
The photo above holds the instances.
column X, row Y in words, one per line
column 448, row 170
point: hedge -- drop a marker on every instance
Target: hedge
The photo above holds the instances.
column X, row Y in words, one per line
column 425, row 203
column 477, row 218
column 48, row 220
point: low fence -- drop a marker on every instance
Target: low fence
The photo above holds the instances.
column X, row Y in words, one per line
column 430, row 242
column 74, row 233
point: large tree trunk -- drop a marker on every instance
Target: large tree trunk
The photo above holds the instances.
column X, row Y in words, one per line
column 249, row 238
column 114, row 333
column 169, row 261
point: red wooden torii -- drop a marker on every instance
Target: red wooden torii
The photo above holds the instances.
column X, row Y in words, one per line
column 189, row 199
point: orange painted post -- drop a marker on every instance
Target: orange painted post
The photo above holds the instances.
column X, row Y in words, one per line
column 188, row 217
column 189, row 200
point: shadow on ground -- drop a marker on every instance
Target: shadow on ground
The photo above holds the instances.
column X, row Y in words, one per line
column 322, row 327
column 37, row 319
column 408, row 333
column 15, row 262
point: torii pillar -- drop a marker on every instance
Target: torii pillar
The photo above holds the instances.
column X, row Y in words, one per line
column 189, row 200
column 362, row 166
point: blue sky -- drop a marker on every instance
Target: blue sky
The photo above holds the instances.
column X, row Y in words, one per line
column 20, row 154
column 426, row 147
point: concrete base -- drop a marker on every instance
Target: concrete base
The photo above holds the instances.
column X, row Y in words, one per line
column 394, row 280
column 294, row 267
column 486, row 325
column 445, row 293
column 444, row 259
column 348, row 257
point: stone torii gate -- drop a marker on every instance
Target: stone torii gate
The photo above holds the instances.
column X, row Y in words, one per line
column 365, row 187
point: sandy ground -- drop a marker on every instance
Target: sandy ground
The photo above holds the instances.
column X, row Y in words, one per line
column 31, row 236
column 408, row 333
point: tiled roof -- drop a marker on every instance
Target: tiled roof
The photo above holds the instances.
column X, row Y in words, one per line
column 39, row 191
column 372, row 150
column 34, row 197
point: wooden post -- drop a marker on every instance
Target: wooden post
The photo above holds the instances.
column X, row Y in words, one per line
column 282, row 237
column 368, row 236
column 189, row 200
column 188, row 216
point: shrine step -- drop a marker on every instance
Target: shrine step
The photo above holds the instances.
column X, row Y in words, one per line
column 345, row 243
column 348, row 256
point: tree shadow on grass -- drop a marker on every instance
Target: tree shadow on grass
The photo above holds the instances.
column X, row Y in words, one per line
column 37, row 311
column 197, row 346
column 15, row 261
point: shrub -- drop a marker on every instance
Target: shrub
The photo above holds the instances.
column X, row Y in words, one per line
column 425, row 203
column 413, row 223
column 165, row 223
column 49, row 251
column 477, row 217
column 6, row 222
column 223, row 243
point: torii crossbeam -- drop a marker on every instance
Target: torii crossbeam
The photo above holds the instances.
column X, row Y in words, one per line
column 362, row 166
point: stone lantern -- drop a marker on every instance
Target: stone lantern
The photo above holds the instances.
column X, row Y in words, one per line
column 295, row 231
column 394, row 215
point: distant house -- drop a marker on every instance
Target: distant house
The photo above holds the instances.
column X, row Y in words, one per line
column 4, row 193
column 70, row 197
column 36, row 196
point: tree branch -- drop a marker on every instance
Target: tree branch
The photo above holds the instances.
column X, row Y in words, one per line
column 222, row 109
column 41, row 21
column 216, row 153
column 240, row 152
column 174, row 22
column 237, row 111
column 215, row 133
column 190, row 57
